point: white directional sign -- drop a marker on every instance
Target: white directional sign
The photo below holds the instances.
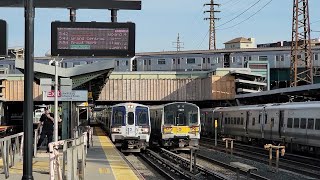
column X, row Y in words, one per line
column 74, row 95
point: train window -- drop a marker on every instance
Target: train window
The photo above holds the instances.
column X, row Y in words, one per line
column 317, row 124
column 225, row 121
column 127, row 63
column 118, row 118
column 310, row 123
column 142, row 118
column 296, row 123
column 203, row 60
column 161, row 61
column 289, row 124
column 265, row 119
column 193, row 116
column 272, row 122
column 169, row 119
column 253, row 121
column 232, row 122
column 259, row 118
column 241, row 121
column 238, row 120
column 208, row 60
column 191, row 60
column 178, row 61
column 145, row 62
column 149, row 62
column 303, row 123
column 130, row 118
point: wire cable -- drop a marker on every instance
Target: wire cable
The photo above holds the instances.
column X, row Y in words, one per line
column 240, row 14
column 248, row 17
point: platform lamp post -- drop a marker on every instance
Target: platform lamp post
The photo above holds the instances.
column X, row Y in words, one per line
column 56, row 86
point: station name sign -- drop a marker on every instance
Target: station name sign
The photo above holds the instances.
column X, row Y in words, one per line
column 92, row 39
column 75, row 95
column 3, row 38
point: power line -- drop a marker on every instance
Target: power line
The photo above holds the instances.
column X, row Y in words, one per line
column 249, row 16
column 240, row 13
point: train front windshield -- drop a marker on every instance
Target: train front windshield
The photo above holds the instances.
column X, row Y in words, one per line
column 181, row 114
column 142, row 116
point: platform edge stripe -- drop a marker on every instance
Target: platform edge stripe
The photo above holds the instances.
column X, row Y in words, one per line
column 119, row 167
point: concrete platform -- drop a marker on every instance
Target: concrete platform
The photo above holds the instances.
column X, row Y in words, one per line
column 103, row 162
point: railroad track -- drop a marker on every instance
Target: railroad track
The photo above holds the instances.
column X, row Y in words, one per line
column 173, row 166
column 260, row 155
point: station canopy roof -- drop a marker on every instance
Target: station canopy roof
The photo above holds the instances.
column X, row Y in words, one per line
column 94, row 75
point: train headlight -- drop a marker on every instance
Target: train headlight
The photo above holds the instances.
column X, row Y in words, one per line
column 167, row 130
column 194, row 129
column 144, row 130
column 115, row 130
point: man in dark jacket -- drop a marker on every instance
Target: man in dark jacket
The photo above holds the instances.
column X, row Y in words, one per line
column 47, row 123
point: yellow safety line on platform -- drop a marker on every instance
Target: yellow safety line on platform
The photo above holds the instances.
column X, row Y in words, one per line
column 120, row 168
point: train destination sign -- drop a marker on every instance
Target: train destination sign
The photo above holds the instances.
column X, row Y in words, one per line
column 92, row 39
column 3, row 38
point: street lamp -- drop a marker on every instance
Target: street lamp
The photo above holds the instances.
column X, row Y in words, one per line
column 56, row 63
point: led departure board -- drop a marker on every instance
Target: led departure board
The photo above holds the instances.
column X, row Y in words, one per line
column 3, row 38
column 92, row 39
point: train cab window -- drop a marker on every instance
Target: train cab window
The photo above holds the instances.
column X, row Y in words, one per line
column 169, row 119
column 296, row 123
column 142, row 118
column 289, row 124
column 118, row 118
column 317, row 124
column 303, row 123
column 241, row 121
column 238, row 120
column 310, row 123
column 253, row 121
column 130, row 118
column 193, row 116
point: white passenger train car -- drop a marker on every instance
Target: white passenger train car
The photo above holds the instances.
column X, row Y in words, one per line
column 128, row 125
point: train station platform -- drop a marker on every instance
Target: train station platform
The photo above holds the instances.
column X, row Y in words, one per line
column 103, row 161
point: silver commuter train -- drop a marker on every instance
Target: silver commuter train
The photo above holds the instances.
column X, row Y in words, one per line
column 175, row 125
column 128, row 125
column 296, row 125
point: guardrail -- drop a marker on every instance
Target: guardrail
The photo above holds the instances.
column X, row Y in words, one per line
column 79, row 130
column 9, row 147
column 74, row 156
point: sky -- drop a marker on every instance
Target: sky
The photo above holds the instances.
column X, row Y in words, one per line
column 159, row 22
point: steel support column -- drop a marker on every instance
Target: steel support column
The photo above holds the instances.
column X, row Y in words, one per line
column 301, row 56
column 28, row 90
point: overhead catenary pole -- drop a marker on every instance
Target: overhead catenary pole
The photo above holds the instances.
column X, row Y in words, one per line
column 28, row 90
column 301, row 69
column 212, row 27
column 178, row 43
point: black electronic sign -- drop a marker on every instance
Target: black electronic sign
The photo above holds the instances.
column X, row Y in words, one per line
column 3, row 38
column 92, row 39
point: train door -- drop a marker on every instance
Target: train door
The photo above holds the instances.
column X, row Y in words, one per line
column 261, row 123
column 247, row 121
column 130, row 126
column 281, row 124
column 134, row 65
column 226, row 61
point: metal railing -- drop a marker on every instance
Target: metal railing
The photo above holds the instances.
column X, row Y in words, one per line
column 74, row 155
column 79, row 130
column 9, row 147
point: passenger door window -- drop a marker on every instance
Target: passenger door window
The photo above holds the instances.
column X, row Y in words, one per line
column 296, row 123
column 130, row 118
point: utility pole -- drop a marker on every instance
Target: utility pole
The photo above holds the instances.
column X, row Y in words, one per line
column 178, row 43
column 212, row 18
column 301, row 55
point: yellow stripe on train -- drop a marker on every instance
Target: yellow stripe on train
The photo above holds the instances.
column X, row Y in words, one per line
column 180, row 129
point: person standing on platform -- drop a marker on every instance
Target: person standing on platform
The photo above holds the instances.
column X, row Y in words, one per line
column 47, row 123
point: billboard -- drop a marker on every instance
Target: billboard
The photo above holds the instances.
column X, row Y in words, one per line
column 92, row 39
column 3, row 38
